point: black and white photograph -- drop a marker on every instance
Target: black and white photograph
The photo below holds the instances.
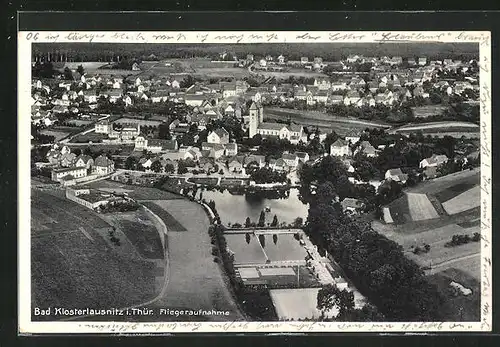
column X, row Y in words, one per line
column 254, row 182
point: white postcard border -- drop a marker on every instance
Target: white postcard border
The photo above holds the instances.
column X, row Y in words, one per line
column 26, row 38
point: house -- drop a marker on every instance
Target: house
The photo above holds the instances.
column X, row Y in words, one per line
column 351, row 205
column 290, row 160
column 85, row 160
column 89, row 96
column 135, row 67
column 231, row 149
column 102, row 127
column 433, row 161
column 257, row 160
column 103, row 165
column 396, row 175
column 59, row 109
column 304, row 60
column 353, row 136
column 366, row 148
column 322, row 83
column 157, row 145
column 396, row 60
column 340, row 148
column 321, row 96
column 279, row 165
column 235, row 164
column 219, row 135
column 215, row 150
column 338, row 85
column 422, row 61
column 302, row 156
column 58, row 175
column 352, row 98
column 281, row 59
column 67, row 159
column 335, row 99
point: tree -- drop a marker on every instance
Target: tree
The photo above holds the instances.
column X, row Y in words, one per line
column 275, row 238
column 247, row 238
column 156, row 166
column 262, row 219
column 131, row 163
column 164, row 132
column 80, row 70
column 298, row 222
column 248, row 222
column 68, row 75
column 274, row 223
column 169, row 168
column 331, row 296
column 262, row 240
column 330, row 138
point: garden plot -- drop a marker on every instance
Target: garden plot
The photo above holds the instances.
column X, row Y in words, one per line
column 420, row 207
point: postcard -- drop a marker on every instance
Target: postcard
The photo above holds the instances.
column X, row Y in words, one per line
column 273, row 182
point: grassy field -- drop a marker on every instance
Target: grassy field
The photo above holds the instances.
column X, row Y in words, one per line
column 420, row 207
column 140, row 231
column 171, row 223
column 58, row 135
column 73, row 266
column 450, row 128
column 324, row 121
column 451, row 194
column 142, row 122
column 204, row 180
column 135, row 192
column 427, row 111
column 89, row 137
column 458, row 307
column 463, row 202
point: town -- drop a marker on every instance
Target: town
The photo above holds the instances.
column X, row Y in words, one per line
column 270, row 186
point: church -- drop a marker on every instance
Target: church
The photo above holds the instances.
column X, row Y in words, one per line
column 293, row 132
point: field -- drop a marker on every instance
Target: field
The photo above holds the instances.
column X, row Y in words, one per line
column 91, row 136
column 463, row 202
column 458, row 307
column 135, row 192
column 420, row 207
column 204, row 180
column 450, row 128
column 170, row 222
column 87, row 65
column 427, row 111
column 448, row 195
column 140, row 231
column 292, row 72
column 324, row 121
column 74, row 266
column 58, row 135
column 142, row 122
column 245, row 253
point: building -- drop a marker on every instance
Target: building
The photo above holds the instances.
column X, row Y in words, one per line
column 366, row 148
column 103, row 165
column 86, row 197
column 293, row 132
column 102, row 127
column 353, row 136
column 219, row 135
column 322, row 83
column 340, row 148
column 303, row 156
column 352, row 205
column 433, row 161
column 235, row 164
column 85, row 160
column 154, row 145
column 68, row 173
column 396, row 175
column 290, row 160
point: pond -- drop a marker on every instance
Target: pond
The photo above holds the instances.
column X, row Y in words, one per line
column 235, row 207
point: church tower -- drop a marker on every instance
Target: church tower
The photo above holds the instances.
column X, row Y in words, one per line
column 254, row 120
